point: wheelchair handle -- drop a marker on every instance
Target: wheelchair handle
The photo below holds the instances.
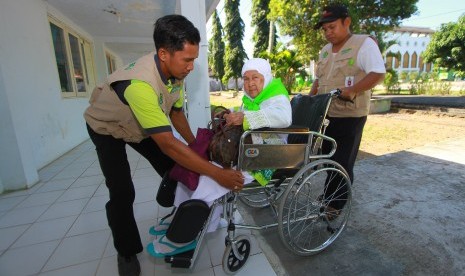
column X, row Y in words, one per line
column 337, row 93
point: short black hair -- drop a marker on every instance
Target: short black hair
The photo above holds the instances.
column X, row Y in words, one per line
column 172, row 31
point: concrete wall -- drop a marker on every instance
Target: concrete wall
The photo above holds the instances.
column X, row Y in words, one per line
column 38, row 125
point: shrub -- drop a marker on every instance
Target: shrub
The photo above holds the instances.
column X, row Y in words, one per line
column 391, row 81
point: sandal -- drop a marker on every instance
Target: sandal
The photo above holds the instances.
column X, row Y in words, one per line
column 161, row 248
column 161, row 228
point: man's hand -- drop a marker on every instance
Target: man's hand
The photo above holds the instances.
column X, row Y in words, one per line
column 235, row 118
column 367, row 83
column 348, row 94
column 187, row 158
column 230, row 179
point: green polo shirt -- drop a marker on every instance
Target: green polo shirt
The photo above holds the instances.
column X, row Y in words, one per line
column 144, row 104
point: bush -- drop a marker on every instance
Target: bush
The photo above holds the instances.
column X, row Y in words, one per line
column 391, row 81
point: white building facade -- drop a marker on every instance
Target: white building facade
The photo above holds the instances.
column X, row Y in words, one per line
column 411, row 42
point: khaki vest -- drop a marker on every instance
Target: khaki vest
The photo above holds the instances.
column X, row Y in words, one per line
column 332, row 71
column 107, row 115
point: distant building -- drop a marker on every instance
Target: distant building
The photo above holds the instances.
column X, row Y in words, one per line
column 411, row 42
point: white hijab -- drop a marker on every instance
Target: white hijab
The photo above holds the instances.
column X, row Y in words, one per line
column 261, row 65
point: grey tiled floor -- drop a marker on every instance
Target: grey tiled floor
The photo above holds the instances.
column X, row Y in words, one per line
column 59, row 226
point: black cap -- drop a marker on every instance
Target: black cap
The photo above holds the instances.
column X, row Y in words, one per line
column 332, row 13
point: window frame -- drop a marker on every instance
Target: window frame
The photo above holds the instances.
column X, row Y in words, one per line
column 87, row 63
column 111, row 62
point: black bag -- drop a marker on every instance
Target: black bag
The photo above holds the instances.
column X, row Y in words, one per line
column 166, row 191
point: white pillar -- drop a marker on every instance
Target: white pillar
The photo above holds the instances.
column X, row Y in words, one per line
column 197, row 82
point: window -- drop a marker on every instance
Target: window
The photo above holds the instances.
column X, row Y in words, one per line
column 389, row 61
column 422, row 65
column 429, row 65
column 405, row 60
column 111, row 63
column 396, row 60
column 74, row 61
column 413, row 62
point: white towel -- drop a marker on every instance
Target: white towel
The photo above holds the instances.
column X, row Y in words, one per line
column 208, row 190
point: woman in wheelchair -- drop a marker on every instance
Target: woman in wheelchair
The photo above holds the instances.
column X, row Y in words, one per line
column 264, row 104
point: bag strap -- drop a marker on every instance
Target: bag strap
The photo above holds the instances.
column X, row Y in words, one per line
column 217, row 123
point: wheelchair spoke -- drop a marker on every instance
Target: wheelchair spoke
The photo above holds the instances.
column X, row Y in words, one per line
column 307, row 224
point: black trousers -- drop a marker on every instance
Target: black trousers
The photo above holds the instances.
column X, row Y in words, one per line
column 114, row 163
column 348, row 134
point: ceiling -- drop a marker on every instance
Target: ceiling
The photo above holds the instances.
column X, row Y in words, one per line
column 125, row 26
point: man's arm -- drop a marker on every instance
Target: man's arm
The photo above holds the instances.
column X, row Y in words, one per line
column 367, row 83
column 187, row 158
column 370, row 60
column 179, row 121
column 314, row 88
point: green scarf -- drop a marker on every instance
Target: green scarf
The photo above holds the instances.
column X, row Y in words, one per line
column 274, row 88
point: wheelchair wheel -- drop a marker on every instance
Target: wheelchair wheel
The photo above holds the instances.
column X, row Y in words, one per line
column 315, row 207
column 234, row 260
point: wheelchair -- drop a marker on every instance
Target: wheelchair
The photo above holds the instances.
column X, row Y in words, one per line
column 310, row 195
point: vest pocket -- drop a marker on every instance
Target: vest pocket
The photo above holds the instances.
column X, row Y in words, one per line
column 320, row 67
column 345, row 67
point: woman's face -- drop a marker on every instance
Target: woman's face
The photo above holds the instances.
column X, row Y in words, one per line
column 253, row 83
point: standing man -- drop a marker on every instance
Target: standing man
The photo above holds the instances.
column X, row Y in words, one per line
column 134, row 107
column 354, row 64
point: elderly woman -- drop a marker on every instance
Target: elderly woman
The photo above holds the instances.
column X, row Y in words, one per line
column 264, row 104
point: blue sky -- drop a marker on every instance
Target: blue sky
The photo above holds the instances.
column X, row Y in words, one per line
column 431, row 14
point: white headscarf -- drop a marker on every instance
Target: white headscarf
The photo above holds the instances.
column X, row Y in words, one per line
column 261, row 65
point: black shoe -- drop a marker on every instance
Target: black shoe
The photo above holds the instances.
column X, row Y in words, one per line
column 166, row 191
column 128, row 266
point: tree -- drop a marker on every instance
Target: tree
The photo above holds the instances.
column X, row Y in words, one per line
column 261, row 35
column 298, row 18
column 234, row 30
column 446, row 48
column 216, row 47
column 285, row 65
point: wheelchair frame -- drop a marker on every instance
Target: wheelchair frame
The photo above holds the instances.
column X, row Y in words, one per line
column 306, row 220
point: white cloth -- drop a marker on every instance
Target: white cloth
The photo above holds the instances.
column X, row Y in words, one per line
column 261, row 65
column 274, row 112
column 208, row 190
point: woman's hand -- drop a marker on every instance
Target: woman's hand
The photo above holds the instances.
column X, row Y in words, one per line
column 235, row 118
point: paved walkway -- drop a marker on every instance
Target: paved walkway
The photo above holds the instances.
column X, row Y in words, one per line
column 407, row 219
column 59, row 226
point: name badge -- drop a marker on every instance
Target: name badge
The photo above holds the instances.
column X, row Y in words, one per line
column 349, row 81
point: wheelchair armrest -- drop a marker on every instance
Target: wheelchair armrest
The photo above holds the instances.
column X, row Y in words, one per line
column 292, row 128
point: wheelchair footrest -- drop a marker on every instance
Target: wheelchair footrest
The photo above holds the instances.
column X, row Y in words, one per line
column 181, row 260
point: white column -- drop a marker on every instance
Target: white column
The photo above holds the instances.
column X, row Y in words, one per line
column 197, row 82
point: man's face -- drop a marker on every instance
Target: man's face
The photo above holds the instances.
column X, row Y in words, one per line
column 179, row 63
column 253, row 83
column 336, row 31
